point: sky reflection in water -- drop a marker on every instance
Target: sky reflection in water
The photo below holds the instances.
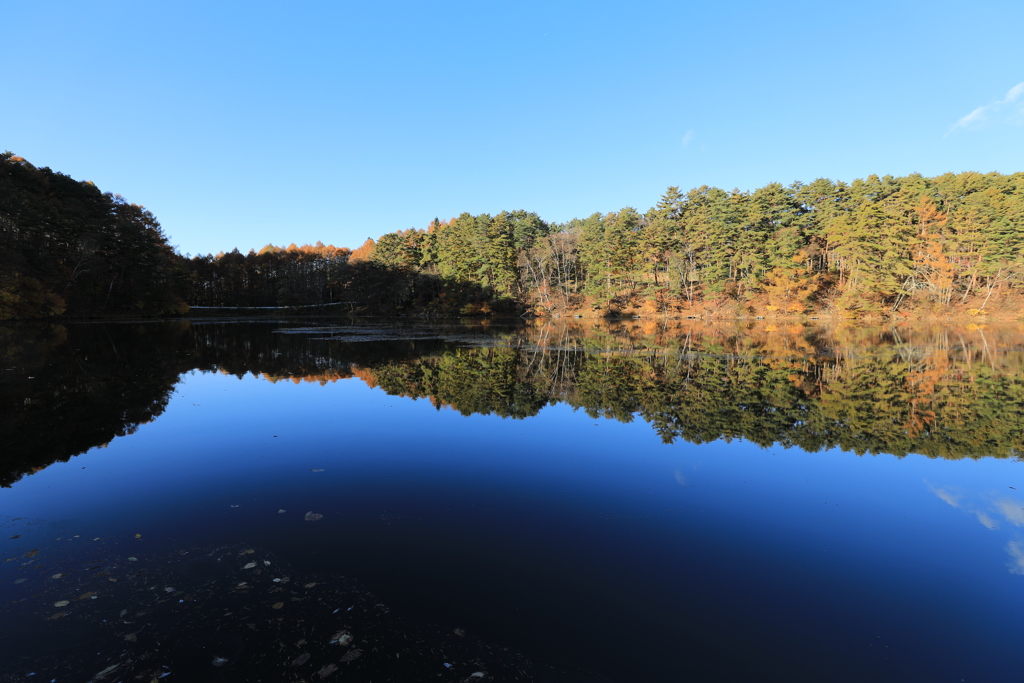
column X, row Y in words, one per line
column 573, row 538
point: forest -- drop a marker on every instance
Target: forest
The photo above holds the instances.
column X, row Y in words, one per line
column 68, row 248
column 877, row 247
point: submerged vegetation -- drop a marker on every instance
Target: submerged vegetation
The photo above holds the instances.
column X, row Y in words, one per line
column 881, row 246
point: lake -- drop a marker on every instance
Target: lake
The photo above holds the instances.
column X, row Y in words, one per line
column 552, row 501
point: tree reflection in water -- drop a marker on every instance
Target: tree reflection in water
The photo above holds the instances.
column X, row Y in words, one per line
column 949, row 392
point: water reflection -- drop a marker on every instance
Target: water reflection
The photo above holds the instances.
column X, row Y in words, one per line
column 992, row 511
column 579, row 540
column 942, row 392
column 1016, row 552
column 64, row 390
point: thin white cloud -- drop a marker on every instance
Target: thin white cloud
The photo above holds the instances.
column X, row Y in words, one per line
column 1014, row 94
column 976, row 116
column 1003, row 110
column 689, row 135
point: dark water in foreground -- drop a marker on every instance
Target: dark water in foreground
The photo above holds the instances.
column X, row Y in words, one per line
column 545, row 503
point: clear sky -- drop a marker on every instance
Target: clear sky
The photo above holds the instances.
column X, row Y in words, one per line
column 245, row 123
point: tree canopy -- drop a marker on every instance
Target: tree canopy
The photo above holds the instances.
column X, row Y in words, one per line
column 879, row 246
column 67, row 247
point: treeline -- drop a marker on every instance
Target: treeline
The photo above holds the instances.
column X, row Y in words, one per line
column 68, row 248
column 273, row 276
column 881, row 246
column 876, row 246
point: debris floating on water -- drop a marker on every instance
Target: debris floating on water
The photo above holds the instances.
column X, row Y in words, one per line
column 343, row 638
column 150, row 634
column 313, row 516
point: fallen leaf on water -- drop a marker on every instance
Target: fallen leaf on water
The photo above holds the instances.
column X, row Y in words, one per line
column 86, row 596
column 327, row 670
column 31, row 553
column 278, row 605
column 281, row 512
column 310, row 584
column 59, row 575
column 131, row 638
column 58, row 615
column 341, row 638
column 138, row 535
column 250, row 551
column 249, row 566
column 313, row 516
column 107, row 670
column 62, row 603
column 301, row 659
column 350, row 655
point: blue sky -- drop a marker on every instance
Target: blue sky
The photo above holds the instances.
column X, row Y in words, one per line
column 245, row 123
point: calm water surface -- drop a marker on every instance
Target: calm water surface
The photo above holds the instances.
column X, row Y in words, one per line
column 633, row 502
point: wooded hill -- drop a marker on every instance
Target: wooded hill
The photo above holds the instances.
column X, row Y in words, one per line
column 68, row 248
column 948, row 245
